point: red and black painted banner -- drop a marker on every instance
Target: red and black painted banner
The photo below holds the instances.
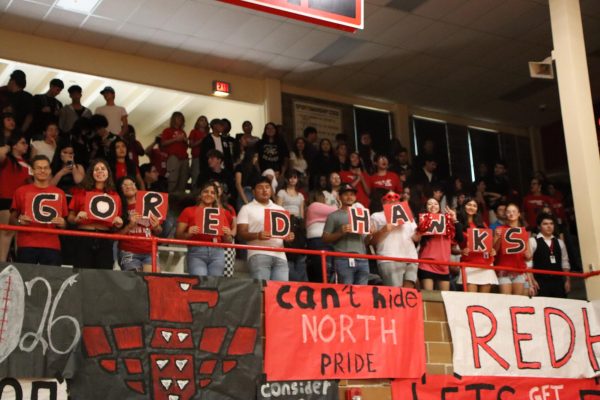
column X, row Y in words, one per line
column 316, row 331
column 345, row 15
column 152, row 203
column 134, row 335
column 448, row 387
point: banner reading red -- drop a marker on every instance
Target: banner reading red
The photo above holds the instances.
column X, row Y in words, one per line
column 317, row 331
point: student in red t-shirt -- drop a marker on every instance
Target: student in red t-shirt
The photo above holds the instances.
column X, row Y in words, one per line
column 120, row 165
column 34, row 247
column 94, row 252
column 203, row 261
column 383, row 178
column 195, row 140
column 358, row 178
column 14, row 172
column 534, row 202
column 174, row 143
column 135, row 255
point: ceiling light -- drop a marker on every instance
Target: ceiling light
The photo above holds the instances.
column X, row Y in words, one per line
column 79, row 6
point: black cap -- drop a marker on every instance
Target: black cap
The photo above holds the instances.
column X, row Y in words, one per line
column 108, row 89
column 346, row 188
column 74, row 88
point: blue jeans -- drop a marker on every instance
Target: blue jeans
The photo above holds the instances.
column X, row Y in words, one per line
column 203, row 261
column 314, row 262
column 133, row 261
column 298, row 268
column 357, row 275
column 268, row 268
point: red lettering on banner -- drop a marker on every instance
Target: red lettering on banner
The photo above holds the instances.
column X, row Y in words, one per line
column 590, row 340
column 548, row 312
column 482, row 341
column 348, row 332
column 519, row 337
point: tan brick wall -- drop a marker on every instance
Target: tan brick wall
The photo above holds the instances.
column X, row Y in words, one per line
column 438, row 346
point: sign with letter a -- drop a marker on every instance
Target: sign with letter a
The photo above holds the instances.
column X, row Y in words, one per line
column 514, row 240
column 210, row 220
column 155, row 203
column 359, row 220
column 102, row 206
column 278, row 223
column 43, row 207
column 480, row 240
column 397, row 213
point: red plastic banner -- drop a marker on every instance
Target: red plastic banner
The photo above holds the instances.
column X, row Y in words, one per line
column 44, row 207
column 277, row 223
column 326, row 331
column 514, row 240
column 480, row 240
column 447, row 387
column 155, row 203
column 359, row 220
column 102, row 206
column 210, row 220
column 345, row 15
column 397, row 213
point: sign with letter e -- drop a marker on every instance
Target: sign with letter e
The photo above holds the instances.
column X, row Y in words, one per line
column 480, row 240
column 397, row 213
column 277, row 223
column 210, row 220
column 102, row 206
column 155, row 203
column 43, row 207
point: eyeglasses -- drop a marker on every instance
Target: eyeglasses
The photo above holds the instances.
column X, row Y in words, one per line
column 41, row 168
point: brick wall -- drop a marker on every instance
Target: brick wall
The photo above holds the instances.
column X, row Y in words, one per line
column 438, row 347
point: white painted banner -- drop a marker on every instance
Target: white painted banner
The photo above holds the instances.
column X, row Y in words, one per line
column 501, row 335
column 30, row 389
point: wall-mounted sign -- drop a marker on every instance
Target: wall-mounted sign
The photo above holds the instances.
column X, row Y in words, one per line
column 221, row 88
column 345, row 15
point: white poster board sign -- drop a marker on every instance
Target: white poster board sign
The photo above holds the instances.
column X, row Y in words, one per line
column 30, row 389
column 327, row 120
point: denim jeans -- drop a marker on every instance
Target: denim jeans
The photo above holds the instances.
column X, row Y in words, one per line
column 268, row 268
column 298, row 268
column 357, row 275
column 314, row 268
column 206, row 261
column 133, row 261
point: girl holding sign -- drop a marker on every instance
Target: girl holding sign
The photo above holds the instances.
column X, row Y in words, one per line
column 478, row 279
column 206, row 222
column 135, row 255
column 437, row 233
column 95, row 207
column 511, row 282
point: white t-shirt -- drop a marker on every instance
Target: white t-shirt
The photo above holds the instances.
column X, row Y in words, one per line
column 43, row 148
column 114, row 115
column 397, row 243
column 253, row 214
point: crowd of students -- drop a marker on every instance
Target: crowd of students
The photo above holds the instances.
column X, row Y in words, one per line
column 70, row 151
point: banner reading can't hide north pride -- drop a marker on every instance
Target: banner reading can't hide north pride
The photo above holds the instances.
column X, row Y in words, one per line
column 447, row 387
column 499, row 335
column 317, row 331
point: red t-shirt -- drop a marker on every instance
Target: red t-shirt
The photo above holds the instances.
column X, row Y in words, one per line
column 159, row 160
column 120, row 170
column 141, row 230
column 389, row 181
column 361, row 196
column 196, row 135
column 188, row 216
column 20, row 204
column 509, row 260
column 77, row 204
column 177, row 149
column 472, row 257
column 532, row 205
column 12, row 176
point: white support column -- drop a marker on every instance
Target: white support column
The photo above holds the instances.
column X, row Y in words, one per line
column 580, row 132
column 273, row 111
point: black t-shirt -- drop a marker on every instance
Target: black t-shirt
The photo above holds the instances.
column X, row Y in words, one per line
column 224, row 177
column 22, row 105
column 41, row 118
column 272, row 155
column 249, row 175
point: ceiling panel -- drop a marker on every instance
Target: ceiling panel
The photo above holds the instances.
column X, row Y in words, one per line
column 309, row 45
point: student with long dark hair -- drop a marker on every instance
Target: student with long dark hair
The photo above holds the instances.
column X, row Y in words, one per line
column 325, row 161
column 66, row 174
column 120, row 165
column 174, row 142
column 358, row 178
column 273, row 153
column 246, row 174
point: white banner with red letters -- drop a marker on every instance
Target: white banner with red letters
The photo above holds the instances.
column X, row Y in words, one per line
column 501, row 335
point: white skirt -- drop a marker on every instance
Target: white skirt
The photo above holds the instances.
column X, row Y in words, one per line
column 479, row 276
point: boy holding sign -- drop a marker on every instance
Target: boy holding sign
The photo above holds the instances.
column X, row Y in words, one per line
column 395, row 236
column 42, row 205
column 347, row 229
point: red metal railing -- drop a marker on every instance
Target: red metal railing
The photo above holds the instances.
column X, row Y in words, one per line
column 323, row 254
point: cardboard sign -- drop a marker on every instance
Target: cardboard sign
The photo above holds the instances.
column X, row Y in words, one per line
column 359, row 220
column 503, row 335
column 102, row 206
column 30, row 389
column 297, row 390
column 326, row 331
column 152, row 203
column 397, row 213
column 44, row 207
column 514, row 240
column 480, row 240
column 447, row 387
column 278, row 223
column 437, row 225
column 210, row 220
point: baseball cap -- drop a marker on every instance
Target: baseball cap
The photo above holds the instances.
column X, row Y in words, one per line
column 107, row 89
column 346, row 188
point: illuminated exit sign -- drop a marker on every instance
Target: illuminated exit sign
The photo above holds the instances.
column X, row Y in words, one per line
column 346, row 15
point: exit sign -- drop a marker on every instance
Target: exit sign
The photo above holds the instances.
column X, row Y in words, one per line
column 345, row 15
column 221, row 88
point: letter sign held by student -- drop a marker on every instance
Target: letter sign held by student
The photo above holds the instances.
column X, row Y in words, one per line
column 480, row 240
column 43, row 207
column 359, row 220
column 210, row 220
column 101, row 206
column 156, row 203
column 277, row 223
column 514, row 240
column 437, row 226
column 397, row 213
